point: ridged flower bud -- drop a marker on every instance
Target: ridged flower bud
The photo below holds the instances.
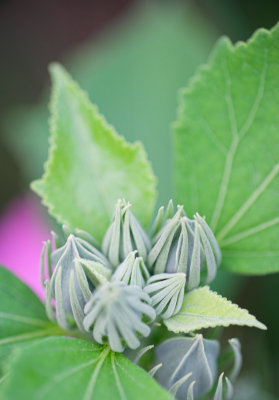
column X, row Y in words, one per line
column 114, row 315
column 124, row 235
column 188, row 246
column 77, row 265
column 162, row 216
column 166, row 292
column 189, row 366
column 132, row 271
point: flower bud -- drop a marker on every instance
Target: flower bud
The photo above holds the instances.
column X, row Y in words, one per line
column 162, row 217
column 114, row 315
column 132, row 271
column 188, row 246
column 124, row 235
column 188, row 364
column 76, row 267
column 166, row 292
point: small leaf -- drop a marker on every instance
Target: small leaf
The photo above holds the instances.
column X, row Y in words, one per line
column 71, row 369
column 89, row 165
column 227, row 150
column 203, row 308
column 22, row 315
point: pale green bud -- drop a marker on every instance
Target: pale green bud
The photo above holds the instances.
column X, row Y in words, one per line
column 188, row 246
column 166, row 292
column 124, row 235
column 132, row 271
column 114, row 315
column 189, row 366
column 75, row 274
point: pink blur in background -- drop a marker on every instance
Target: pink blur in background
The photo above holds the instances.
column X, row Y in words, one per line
column 22, row 231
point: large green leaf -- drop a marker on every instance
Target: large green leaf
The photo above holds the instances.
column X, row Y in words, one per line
column 89, row 165
column 71, row 369
column 22, row 315
column 203, row 308
column 227, row 150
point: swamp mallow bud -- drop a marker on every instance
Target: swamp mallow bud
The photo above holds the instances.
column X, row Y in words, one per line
column 73, row 279
column 114, row 314
column 166, row 292
column 124, row 235
column 189, row 366
column 132, row 271
column 188, row 246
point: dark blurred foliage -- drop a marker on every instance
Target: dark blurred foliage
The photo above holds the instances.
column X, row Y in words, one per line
column 35, row 32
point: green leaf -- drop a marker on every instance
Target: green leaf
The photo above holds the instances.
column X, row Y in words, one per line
column 227, row 150
column 89, row 165
column 22, row 315
column 203, row 308
column 70, row 369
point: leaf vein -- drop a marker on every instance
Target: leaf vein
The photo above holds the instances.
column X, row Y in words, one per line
column 257, row 101
column 92, row 382
column 250, row 232
column 25, row 320
column 117, row 379
column 248, row 203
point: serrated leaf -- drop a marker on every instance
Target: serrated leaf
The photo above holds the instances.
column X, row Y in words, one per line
column 71, row 369
column 227, row 150
column 203, row 308
column 22, row 315
column 89, row 165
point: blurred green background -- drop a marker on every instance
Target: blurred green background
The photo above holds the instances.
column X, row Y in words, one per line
column 131, row 57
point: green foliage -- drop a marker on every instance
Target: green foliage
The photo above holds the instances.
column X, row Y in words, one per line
column 227, row 150
column 203, row 308
column 22, row 315
column 70, row 369
column 89, row 165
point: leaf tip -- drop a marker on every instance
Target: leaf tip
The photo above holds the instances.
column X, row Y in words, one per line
column 37, row 186
column 55, row 68
column 260, row 325
column 58, row 73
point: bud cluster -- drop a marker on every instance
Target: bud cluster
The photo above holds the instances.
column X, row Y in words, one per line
column 113, row 293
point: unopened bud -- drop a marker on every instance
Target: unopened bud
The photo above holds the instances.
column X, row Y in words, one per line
column 188, row 246
column 114, row 315
column 124, row 235
column 72, row 280
column 132, row 271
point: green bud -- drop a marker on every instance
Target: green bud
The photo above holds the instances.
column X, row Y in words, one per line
column 166, row 292
column 162, row 217
column 124, row 235
column 188, row 246
column 132, row 271
column 114, row 315
column 189, row 365
column 72, row 280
